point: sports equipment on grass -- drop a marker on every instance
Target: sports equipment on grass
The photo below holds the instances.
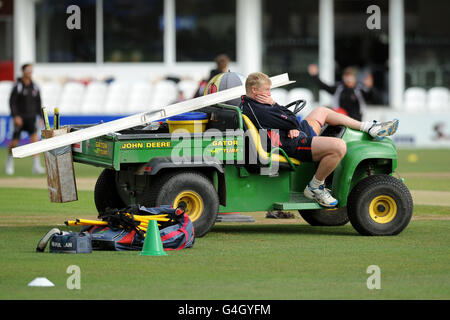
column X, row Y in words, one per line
column 153, row 244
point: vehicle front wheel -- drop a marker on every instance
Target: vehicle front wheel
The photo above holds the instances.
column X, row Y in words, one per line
column 196, row 191
column 380, row 205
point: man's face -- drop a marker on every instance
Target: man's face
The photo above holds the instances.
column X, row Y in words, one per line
column 350, row 80
column 261, row 90
column 28, row 71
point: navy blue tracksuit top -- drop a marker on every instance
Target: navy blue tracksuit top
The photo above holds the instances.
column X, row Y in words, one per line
column 272, row 117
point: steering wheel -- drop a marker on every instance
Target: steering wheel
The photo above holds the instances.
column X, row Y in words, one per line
column 299, row 105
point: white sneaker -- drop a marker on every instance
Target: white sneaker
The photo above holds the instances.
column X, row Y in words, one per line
column 379, row 130
column 9, row 166
column 43, row 242
column 37, row 168
column 321, row 195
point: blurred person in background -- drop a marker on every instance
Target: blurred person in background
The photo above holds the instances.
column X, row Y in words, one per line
column 222, row 62
column 180, row 97
column 349, row 96
column 25, row 104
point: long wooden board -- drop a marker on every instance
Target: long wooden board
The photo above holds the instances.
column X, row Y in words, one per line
column 138, row 119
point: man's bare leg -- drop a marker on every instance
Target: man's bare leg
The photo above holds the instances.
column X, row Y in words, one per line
column 328, row 151
column 14, row 143
column 9, row 168
column 326, row 115
column 37, row 167
column 34, row 137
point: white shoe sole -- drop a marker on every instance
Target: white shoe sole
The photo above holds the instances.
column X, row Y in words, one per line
column 38, row 171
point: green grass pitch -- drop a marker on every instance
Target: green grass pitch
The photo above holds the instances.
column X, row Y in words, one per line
column 263, row 260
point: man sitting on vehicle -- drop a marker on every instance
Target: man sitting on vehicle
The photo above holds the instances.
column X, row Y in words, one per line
column 301, row 140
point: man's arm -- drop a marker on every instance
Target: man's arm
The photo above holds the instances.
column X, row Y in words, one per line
column 13, row 101
column 371, row 95
column 13, row 106
column 38, row 103
column 322, row 85
column 313, row 71
column 270, row 115
column 279, row 117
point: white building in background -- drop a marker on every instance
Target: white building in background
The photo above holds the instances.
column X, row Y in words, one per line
column 149, row 39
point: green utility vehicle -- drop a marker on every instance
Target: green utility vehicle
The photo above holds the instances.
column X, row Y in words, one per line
column 228, row 168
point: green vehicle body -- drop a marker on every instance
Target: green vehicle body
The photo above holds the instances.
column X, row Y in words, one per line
column 138, row 158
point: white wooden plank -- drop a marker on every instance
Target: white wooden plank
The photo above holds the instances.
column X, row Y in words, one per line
column 138, row 119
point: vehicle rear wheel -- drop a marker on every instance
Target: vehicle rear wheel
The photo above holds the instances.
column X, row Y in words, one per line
column 380, row 205
column 105, row 192
column 195, row 190
column 325, row 217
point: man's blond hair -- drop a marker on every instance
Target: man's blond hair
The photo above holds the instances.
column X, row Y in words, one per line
column 256, row 79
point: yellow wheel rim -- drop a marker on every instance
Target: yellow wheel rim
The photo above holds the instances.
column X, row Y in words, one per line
column 383, row 209
column 194, row 203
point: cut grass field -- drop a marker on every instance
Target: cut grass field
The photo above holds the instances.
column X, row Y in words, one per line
column 268, row 259
column 258, row 261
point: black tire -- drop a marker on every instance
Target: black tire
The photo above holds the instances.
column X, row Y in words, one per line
column 380, row 205
column 105, row 192
column 325, row 217
column 196, row 190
